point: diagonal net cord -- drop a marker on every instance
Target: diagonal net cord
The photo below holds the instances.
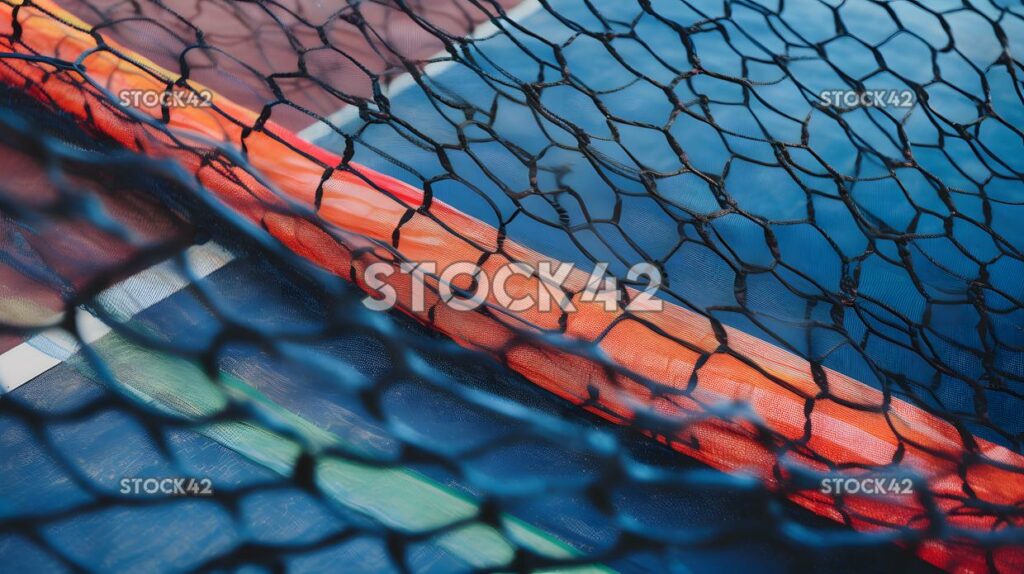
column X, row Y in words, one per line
column 667, row 372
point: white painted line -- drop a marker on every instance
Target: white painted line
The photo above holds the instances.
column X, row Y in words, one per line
column 403, row 82
column 125, row 300
column 22, row 364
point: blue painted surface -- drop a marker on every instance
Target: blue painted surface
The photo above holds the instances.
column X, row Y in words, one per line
column 178, row 535
column 826, row 237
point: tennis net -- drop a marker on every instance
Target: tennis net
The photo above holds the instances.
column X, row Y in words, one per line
column 203, row 193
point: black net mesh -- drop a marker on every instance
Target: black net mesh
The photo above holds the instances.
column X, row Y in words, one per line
column 193, row 193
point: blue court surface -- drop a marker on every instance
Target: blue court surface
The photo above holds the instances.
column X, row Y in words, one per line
column 90, row 455
column 593, row 204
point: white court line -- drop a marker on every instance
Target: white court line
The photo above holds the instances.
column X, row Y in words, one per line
column 403, row 82
column 128, row 298
column 139, row 292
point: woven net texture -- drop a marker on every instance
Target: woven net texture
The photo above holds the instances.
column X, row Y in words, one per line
column 194, row 191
